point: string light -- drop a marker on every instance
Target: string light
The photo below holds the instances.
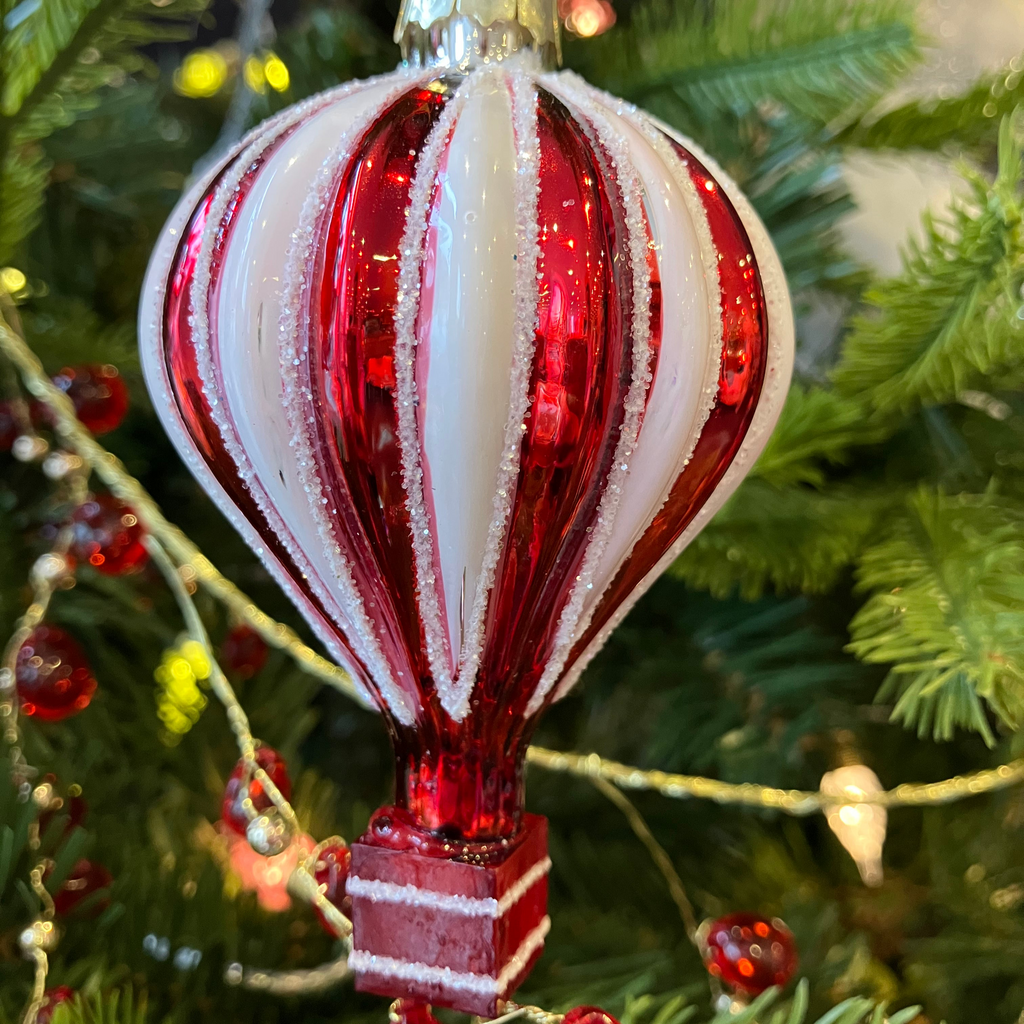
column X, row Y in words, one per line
column 12, row 280
column 859, row 827
column 202, row 74
column 191, row 559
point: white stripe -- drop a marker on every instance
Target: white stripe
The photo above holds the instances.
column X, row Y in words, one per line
column 651, row 442
column 466, row 341
column 637, row 251
column 364, row 962
column 244, row 382
column 527, row 314
column 406, row 312
column 293, row 346
column 778, row 372
column 464, row 906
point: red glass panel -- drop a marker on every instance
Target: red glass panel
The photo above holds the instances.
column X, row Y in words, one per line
column 352, row 378
column 744, row 358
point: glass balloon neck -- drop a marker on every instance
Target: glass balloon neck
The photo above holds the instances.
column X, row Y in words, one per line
column 463, row 789
column 459, row 35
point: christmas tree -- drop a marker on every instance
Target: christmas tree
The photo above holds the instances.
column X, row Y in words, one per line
column 858, row 602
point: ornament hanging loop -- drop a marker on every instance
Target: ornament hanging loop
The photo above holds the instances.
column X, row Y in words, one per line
column 459, row 35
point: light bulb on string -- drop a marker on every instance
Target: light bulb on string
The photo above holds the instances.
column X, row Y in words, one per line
column 859, row 827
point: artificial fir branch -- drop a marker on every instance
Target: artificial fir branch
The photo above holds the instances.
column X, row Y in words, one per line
column 967, row 122
column 947, row 612
column 820, row 56
column 950, row 318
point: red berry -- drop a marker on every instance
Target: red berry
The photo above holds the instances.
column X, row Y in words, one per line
column 243, row 652
column 331, row 873
column 232, row 810
column 98, row 393
column 52, row 998
column 107, row 534
column 53, row 677
column 588, row 1015
column 748, row 952
column 409, row 1011
column 83, row 880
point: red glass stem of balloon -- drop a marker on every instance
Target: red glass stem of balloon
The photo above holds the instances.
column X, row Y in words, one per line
column 303, row 884
column 44, row 578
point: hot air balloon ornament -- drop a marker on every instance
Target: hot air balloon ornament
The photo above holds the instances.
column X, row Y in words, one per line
column 468, row 353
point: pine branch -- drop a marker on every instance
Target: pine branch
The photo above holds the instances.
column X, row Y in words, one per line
column 951, row 317
column 821, row 57
column 969, row 121
column 817, row 428
column 947, row 613
column 56, row 59
column 789, row 538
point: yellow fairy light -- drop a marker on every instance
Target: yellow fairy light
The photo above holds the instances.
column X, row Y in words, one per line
column 179, row 700
column 254, row 74
column 276, row 73
column 12, row 280
column 202, row 73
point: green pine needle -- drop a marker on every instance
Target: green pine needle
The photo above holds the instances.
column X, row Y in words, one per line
column 947, row 613
column 951, row 317
column 788, row 538
column 821, row 57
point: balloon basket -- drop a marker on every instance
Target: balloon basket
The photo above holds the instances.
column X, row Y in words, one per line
column 446, row 931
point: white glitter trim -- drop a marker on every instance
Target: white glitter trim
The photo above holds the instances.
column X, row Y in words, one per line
column 709, row 259
column 361, row 961
column 527, row 315
column 407, row 307
column 298, row 400
column 151, row 344
column 638, row 242
column 199, row 302
column 464, row 906
column 778, row 372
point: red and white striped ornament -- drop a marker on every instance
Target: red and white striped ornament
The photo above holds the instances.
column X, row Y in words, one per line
column 468, row 353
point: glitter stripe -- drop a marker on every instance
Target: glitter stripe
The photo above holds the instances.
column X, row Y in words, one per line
column 155, row 370
column 457, row 981
column 528, row 255
column 464, row 906
column 773, row 392
column 406, row 312
column 298, row 399
column 709, row 386
column 202, row 292
column 637, row 242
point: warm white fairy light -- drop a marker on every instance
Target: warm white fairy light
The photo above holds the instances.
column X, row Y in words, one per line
column 860, row 827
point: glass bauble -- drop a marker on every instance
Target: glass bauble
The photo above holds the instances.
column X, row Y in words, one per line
column 748, row 952
column 84, row 879
column 98, row 393
column 243, row 652
column 106, row 534
column 52, row 998
column 468, row 353
column 234, row 813
column 53, row 676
